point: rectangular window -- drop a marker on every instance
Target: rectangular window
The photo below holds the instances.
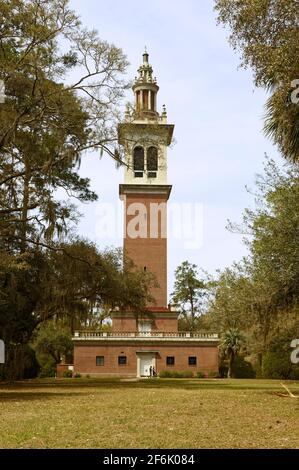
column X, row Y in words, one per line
column 170, row 360
column 100, row 360
column 152, row 174
column 122, row 360
column 138, row 174
column 192, row 360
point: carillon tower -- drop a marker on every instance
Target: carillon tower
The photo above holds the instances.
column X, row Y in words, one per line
column 145, row 136
column 144, row 345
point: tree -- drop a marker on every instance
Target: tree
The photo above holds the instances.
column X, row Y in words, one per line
column 189, row 291
column 229, row 306
column 20, row 290
column 276, row 362
column 63, row 284
column 274, row 232
column 260, row 296
column 54, row 340
column 274, row 229
column 231, row 344
column 83, row 279
column 47, row 122
column 267, row 34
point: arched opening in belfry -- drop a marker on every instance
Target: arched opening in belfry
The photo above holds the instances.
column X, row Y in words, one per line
column 152, row 162
column 138, row 161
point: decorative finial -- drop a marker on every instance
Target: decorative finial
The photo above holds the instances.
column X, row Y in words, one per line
column 164, row 113
column 145, row 56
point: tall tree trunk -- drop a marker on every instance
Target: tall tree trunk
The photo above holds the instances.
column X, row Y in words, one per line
column 72, row 325
column 230, row 365
column 192, row 311
column 25, row 204
column 260, row 359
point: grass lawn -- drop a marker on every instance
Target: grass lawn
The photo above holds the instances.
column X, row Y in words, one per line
column 157, row 413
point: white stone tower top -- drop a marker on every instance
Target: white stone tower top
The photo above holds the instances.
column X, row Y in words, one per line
column 145, row 133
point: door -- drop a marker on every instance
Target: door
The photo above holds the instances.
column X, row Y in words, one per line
column 146, row 361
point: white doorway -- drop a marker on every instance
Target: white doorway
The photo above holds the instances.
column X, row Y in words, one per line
column 145, row 328
column 144, row 362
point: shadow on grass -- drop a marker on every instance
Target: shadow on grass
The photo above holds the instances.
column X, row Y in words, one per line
column 116, row 383
column 30, row 396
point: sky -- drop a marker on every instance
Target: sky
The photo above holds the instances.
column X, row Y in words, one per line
column 218, row 117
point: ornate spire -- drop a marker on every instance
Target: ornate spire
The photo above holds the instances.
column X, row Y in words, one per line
column 145, row 88
column 145, row 71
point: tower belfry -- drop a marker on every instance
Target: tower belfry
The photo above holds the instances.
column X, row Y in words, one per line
column 145, row 135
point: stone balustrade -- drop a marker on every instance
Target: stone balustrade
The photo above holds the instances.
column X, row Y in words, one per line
column 98, row 335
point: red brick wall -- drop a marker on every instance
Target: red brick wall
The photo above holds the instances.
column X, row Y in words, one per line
column 166, row 324
column 149, row 252
column 207, row 358
column 124, row 324
column 158, row 324
column 85, row 358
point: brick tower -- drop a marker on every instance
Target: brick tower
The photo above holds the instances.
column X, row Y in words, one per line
column 145, row 136
column 147, row 342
